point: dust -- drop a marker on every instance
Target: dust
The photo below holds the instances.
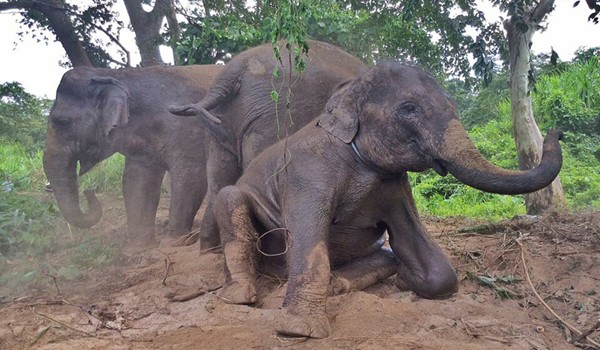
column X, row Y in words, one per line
column 132, row 306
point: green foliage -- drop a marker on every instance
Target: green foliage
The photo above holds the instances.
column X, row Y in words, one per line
column 446, row 196
column 570, row 100
column 22, row 169
column 479, row 105
column 22, row 116
column 23, row 219
column 580, row 175
column 105, row 176
column 209, row 40
column 432, row 34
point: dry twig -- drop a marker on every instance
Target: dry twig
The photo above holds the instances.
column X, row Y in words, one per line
column 63, row 324
column 168, row 266
column 55, row 283
column 189, row 296
column 541, row 300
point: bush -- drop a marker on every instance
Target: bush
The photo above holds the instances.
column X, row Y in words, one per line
column 21, row 168
column 570, row 100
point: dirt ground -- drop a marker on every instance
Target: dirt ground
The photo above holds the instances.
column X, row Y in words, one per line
column 134, row 305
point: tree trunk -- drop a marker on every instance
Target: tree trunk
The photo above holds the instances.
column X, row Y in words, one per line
column 147, row 25
column 59, row 23
column 527, row 135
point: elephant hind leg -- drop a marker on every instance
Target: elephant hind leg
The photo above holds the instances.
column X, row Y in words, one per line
column 363, row 272
column 234, row 217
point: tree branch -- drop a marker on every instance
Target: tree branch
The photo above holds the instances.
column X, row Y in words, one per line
column 541, row 10
column 23, row 4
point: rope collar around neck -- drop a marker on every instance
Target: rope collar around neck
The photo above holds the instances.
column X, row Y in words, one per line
column 384, row 173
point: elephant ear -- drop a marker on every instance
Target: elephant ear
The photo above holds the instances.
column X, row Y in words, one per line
column 340, row 116
column 113, row 102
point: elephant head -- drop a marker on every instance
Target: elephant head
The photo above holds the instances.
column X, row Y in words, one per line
column 398, row 118
column 86, row 109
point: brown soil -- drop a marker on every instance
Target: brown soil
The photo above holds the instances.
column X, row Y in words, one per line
column 131, row 306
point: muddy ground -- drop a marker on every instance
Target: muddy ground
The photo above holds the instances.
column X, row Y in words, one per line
column 133, row 305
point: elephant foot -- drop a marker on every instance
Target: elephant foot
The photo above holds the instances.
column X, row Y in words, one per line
column 210, row 244
column 313, row 326
column 239, row 292
column 141, row 237
column 434, row 286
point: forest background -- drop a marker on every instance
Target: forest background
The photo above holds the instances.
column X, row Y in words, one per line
column 469, row 55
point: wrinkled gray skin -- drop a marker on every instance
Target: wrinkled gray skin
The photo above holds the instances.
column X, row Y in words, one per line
column 338, row 203
column 243, row 119
column 98, row 112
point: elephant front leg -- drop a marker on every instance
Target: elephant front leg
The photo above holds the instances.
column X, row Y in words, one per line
column 309, row 274
column 141, row 192
column 424, row 268
column 222, row 170
column 234, row 217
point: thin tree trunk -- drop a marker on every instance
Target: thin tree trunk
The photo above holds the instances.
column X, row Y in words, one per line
column 527, row 135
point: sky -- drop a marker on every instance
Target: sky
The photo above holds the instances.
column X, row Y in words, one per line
column 36, row 67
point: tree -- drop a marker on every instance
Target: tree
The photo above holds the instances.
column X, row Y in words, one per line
column 147, row 27
column 22, row 117
column 53, row 15
column 522, row 24
column 77, row 28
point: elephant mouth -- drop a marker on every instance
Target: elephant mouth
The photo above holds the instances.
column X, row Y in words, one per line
column 439, row 166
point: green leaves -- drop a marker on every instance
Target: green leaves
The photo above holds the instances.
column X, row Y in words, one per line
column 496, row 283
column 22, row 116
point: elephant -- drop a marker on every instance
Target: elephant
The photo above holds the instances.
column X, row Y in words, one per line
column 243, row 119
column 100, row 111
column 326, row 196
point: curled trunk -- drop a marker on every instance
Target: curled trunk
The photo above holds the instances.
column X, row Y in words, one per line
column 462, row 159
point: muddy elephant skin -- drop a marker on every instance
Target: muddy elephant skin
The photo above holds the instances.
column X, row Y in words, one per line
column 98, row 112
column 340, row 183
column 244, row 120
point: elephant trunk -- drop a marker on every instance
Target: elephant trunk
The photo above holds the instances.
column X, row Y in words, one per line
column 462, row 159
column 61, row 172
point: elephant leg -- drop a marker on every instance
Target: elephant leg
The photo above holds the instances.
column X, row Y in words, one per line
column 424, row 268
column 234, row 218
column 141, row 192
column 363, row 272
column 187, row 192
column 222, row 170
column 309, row 273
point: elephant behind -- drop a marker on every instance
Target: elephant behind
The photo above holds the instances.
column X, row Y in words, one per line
column 99, row 111
column 243, row 119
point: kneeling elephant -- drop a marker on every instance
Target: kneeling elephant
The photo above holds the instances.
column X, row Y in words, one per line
column 339, row 183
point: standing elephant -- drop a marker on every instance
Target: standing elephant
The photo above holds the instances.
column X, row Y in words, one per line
column 99, row 111
column 336, row 186
column 245, row 120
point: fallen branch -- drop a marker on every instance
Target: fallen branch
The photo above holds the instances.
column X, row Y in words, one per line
column 40, row 335
column 541, row 300
column 189, row 296
column 64, row 325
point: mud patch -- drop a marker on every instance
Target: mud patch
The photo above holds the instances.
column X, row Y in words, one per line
column 131, row 306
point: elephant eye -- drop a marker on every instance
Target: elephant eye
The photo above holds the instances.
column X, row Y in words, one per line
column 407, row 109
column 61, row 122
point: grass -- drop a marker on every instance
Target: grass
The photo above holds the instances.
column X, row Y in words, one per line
column 32, row 230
